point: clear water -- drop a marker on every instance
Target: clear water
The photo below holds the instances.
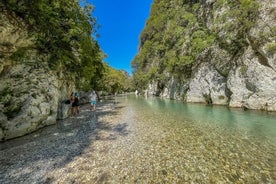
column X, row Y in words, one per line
column 250, row 123
column 199, row 143
column 138, row 140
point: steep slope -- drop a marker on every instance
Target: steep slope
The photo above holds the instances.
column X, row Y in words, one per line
column 46, row 52
column 215, row 52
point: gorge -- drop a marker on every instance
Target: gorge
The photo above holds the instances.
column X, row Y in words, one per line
column 204, row 51
column 47, row 51
column 214, row 52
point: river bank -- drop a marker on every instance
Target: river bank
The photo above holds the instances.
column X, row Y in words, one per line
column 137, row 140
column 44, row 156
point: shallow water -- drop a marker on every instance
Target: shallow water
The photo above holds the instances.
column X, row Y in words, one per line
column 202, row 144
column 251, row 123
column 136, row 140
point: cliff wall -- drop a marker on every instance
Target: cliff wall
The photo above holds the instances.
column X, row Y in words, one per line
column 30, row 91
column 215, row 52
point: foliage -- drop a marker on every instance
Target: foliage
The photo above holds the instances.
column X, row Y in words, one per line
column 176, row 36
column 237, row 22
column 19, row 54
column 140, row 80
column 114, row 81
column 64, row 31
column 271, row 48
column 243, row 69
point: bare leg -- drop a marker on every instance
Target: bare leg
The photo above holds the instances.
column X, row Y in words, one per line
column 72, row 111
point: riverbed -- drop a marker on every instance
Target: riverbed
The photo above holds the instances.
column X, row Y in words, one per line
column 146, row 140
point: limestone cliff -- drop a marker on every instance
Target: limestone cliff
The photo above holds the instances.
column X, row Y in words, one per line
column 45, row 46
column 216, row 52
column 30, row 91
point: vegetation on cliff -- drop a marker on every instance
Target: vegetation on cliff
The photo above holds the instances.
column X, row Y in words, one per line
column 63, row 32
column 45, row 47
column 179, row 33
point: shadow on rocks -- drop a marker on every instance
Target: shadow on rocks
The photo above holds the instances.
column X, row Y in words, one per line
column 28, row 159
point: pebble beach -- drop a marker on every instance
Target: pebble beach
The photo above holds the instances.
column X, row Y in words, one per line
column 109, row 146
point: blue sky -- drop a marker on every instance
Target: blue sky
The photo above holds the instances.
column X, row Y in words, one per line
column 121, row 23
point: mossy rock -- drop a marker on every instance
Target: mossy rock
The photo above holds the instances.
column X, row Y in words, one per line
column 208, row 99
column 220, row 59
column 12, row 110
column 271, row 48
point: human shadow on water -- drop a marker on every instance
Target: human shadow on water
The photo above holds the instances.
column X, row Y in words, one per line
column 30, row 158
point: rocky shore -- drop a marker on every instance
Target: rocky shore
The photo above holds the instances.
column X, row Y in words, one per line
column 127, row 142
column 61, row 153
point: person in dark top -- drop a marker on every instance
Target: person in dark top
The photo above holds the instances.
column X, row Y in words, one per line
column 76, row 104
column 71, row 102
column 72, row 98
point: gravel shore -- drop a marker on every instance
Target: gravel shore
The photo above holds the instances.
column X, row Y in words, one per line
column 72, row 151
column 129, row 143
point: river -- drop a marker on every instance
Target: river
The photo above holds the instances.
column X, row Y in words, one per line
column 203, row 144
column 147, row 140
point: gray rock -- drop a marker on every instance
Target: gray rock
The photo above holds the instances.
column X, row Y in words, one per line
column 172, row 90
column 207, row 86
column 64, row 110
column 29, row 91
column 244, row 76
column 253, row 85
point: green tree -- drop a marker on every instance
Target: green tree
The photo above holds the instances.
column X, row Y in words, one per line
column 178, row 35
column 114, row 80
column 64, row 31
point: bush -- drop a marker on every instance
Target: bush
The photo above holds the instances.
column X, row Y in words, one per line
column 271, row 48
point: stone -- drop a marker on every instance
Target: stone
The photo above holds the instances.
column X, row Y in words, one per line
column 173, row 89
column 30, row 91
column 207, row 82
column 253, row 85
column 243, row 78
column 64, row 110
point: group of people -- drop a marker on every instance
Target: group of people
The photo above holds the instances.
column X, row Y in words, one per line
column 75, row 102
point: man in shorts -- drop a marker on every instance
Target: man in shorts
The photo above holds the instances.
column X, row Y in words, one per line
column 93, row 100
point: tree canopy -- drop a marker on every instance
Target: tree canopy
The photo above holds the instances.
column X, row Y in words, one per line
column 64, row 31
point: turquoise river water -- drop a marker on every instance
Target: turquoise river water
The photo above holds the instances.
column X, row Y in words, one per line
column 133, row 139
column 195, row 143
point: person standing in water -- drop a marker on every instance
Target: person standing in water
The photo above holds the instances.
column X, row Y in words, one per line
column 93, row 100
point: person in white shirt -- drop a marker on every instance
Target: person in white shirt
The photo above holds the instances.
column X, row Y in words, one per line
column 93, row 100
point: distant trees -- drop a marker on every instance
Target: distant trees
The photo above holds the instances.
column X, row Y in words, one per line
column 114, row 81
column 64, row 33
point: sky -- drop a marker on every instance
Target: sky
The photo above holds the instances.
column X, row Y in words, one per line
column 121, row 22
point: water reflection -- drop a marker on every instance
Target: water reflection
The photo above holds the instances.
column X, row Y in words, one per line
column 203, row 144
column 257, row 123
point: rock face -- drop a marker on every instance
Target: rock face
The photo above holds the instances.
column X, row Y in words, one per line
column 207, row 86
column 30, row 93
column 245, row 78
column 254, row 88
